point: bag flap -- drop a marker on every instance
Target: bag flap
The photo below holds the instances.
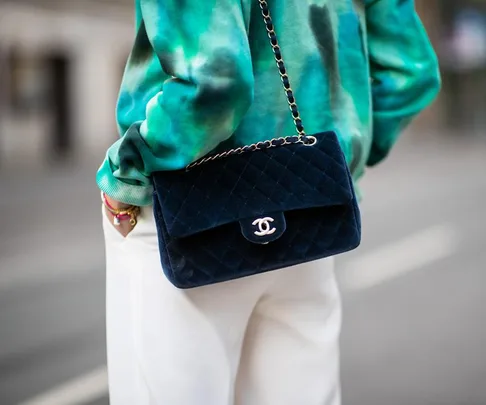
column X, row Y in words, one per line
column 252, row 185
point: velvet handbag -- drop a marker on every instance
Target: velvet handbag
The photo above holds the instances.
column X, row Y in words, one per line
column 259, row 207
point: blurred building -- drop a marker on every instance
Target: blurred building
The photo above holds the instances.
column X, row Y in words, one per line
column 458, row 32
column 61, row 63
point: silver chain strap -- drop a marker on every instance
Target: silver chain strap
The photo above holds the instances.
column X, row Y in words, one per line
column 301, row 137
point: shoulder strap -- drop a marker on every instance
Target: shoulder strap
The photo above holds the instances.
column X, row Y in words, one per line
column 301, row 137
column 281, row 67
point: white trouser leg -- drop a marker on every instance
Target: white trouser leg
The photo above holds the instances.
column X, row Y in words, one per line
column 165, row 345
column 291, row 349
column 182, row 347
column 125, row 384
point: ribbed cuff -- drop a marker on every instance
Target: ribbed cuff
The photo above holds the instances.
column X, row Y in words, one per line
column 139, row 195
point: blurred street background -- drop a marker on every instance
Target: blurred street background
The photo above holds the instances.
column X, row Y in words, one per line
column 414, row 293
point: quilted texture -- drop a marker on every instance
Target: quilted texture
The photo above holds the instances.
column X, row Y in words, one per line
column 202, row 214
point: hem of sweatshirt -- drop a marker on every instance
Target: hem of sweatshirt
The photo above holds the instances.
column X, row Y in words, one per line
column 119, row 190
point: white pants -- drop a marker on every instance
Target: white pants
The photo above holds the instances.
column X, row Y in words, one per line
column 270, row 339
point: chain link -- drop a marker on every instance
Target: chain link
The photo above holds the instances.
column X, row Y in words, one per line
column 301, row 137
column 281, row 67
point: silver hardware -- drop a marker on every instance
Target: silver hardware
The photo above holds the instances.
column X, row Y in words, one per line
column 289, row 140
column 312, row 140
column 264, row 227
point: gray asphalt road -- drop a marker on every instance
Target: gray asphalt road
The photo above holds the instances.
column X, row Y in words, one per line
column 414, row 330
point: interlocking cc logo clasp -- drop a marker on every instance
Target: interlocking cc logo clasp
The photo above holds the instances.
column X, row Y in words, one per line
column 264, row 227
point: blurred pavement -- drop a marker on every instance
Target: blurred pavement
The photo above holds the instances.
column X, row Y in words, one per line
column 414, row 324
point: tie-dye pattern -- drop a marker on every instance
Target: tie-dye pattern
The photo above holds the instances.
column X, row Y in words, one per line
column 201, row 77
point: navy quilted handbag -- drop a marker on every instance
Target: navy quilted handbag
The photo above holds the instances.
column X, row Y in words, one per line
column 257, row 208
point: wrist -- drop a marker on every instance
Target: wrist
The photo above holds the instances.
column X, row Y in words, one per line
column 120, row 211
column 116, row 204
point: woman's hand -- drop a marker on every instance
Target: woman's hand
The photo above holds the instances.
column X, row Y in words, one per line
column 124, row 227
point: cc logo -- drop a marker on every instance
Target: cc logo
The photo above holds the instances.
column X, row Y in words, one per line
column 264, row 227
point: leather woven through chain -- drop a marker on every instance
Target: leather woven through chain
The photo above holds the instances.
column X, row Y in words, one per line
column 301, row 138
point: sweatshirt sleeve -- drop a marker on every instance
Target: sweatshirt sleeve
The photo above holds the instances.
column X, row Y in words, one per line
column 404, row 70
column 187, row 85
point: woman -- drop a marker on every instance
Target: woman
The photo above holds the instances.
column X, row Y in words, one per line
column 201, row 75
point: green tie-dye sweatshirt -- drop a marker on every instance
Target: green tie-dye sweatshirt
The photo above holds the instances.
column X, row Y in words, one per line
column 201, row 77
